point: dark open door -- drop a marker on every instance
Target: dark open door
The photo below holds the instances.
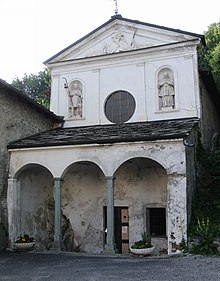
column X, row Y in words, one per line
column 121, row 228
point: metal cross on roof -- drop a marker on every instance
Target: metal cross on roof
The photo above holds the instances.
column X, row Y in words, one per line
column 116, row 7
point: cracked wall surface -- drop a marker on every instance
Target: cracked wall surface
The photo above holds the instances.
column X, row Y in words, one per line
column 18, row 119
column 147, row 174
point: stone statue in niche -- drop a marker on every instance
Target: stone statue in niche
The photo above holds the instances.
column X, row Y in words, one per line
column 75, row 99
column 166, row 90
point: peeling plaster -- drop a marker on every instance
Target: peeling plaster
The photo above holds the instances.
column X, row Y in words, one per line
column 140, row 183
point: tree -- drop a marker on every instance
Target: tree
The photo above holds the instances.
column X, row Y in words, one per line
column 209, row 56
column 36, row 86
column 205, row 220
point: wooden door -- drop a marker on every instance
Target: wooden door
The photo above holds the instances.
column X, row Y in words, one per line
column 121, row 228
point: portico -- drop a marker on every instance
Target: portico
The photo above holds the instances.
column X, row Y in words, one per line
column 88, row 179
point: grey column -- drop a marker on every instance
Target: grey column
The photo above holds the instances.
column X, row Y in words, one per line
column 110, row 241
column 57, row 221
column 14, row 210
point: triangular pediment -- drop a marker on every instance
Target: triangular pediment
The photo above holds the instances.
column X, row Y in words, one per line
column 118, row 35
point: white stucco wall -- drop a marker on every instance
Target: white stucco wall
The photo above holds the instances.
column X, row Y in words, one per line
column 108, row 156
column 135, row 73
column 137, row 185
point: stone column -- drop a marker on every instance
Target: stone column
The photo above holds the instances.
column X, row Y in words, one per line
column 14, row 210
column 110, row 241
column 57, row 221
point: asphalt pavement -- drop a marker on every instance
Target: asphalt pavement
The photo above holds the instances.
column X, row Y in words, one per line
column 34, row 266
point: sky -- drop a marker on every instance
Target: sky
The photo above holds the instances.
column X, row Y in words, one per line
column 34, row 30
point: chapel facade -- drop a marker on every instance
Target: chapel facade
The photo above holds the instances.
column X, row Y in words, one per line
column 123, row 164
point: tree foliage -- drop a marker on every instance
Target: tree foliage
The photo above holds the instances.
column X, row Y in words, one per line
column 205, row 220
column 207, row 197
column 209, row 56
column 36, row 86
column 209, row 182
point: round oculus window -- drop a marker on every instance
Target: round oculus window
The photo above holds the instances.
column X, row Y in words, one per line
column 119, row 107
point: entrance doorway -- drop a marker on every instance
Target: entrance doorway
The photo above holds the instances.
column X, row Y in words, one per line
column 121, row 228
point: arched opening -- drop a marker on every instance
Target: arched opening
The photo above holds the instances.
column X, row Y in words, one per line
column 35, row 187
column 83, row 198
column 141, row 196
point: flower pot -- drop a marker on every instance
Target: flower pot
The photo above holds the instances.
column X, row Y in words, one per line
column 24, row 246
column 143, row 252
column 163, row 253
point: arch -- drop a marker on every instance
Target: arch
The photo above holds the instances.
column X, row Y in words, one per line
column 77, row 79
column 83, row 198
column 141, row 186
column 81, row 162
column 33, row 191
column 29, row 166
column 75, row 99
column 128, row 158
column 139, row 169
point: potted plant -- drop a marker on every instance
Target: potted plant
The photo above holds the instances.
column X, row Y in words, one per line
column 163, row 251
column 143, row 246
column 24, row 242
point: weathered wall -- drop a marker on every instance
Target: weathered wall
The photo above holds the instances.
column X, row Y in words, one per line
column 84, row 196
column 169, row 153
column 138, row 184
column 17, row 119
column 191, row 143
column 210, row 119
column 36, row 198
column 148, row 174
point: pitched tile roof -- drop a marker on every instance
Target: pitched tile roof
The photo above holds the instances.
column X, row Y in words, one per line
column 11, row 90
column 113, row 133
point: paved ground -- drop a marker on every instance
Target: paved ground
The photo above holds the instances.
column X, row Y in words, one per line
column 75, row 267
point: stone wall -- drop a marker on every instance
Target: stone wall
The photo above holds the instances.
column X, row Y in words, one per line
column 18, row 119
column 191, row 150
column 210, row 119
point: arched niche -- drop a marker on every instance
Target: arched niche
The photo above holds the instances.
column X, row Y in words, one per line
column 35, row 189
column 75, row 99
column 83, row 198
column 141, row 187
column 166, row 89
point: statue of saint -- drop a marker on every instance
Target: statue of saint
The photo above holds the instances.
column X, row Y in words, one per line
column 166, row 92
column 75, row 99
